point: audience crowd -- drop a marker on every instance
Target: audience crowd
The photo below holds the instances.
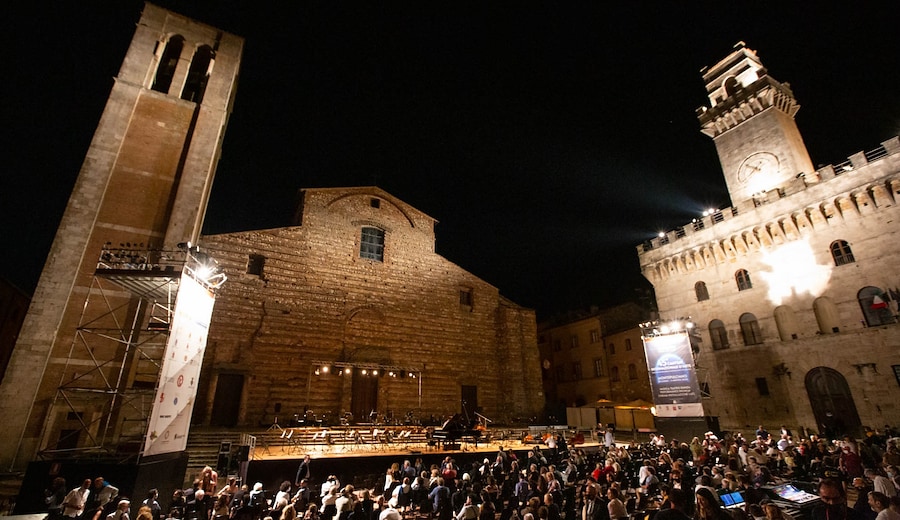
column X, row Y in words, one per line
column 659, row 479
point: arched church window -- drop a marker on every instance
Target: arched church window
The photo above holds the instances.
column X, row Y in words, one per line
column 875, row 306
column 198, row 74
column 371, row 244
column 742, row 278
column 750, row 329
column 841, row 252
column 165, row 71
column 718, row 335
column 701, row 291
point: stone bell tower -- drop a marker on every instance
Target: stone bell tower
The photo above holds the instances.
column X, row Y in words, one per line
column 145, row 183
column 751, row 121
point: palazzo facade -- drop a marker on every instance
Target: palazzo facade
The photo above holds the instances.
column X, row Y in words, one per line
column 794, row 288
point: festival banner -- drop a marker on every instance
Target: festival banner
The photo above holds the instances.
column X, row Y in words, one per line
column 174, row 404
column 673, row 380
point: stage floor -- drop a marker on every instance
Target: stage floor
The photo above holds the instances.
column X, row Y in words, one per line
column 287, row 450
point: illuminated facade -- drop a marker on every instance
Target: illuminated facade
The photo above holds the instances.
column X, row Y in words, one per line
column 794, row 287
column 350, row 314
column 143, row 186
column 597, row 357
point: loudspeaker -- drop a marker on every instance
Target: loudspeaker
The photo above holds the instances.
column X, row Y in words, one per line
column 242, row 454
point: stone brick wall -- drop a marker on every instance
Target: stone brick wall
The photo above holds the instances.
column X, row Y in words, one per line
column 318, row 300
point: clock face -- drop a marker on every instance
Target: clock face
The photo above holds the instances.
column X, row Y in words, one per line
column 756, row 164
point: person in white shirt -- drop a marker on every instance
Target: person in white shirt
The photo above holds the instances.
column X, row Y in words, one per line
column 469, row 511
column 73, row 505
column 881, row 505
column 389, row 513
column 329, row 483
column 345, row 502
column 881, row 483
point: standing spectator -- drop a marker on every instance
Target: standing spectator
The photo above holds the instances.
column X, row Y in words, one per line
column 303, row 471
column 209, row 483
column 103, row 495
column 850, row 463
column 152, row 502
column 76, row 500
column 302, row 496
column 54, row 498
column 345, row 503
column 281, row 499
column 881, row 484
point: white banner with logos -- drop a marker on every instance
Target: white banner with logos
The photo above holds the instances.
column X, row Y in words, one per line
column 174, row 404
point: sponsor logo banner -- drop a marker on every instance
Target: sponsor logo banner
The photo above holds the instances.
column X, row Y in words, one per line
column 171, row 417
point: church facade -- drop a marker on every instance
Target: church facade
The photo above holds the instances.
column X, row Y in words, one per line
column 794, row 287
column 350, row 315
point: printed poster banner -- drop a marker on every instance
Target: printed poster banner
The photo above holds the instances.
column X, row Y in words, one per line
column 180, row 372
column 673, row 380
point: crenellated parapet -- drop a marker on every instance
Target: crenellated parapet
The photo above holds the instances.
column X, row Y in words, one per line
column 761, row 95
column 860, row 189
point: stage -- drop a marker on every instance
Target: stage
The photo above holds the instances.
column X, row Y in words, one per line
column 359, row 456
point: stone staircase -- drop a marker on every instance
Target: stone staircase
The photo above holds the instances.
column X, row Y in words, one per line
column 203, row 449
column 9, row 490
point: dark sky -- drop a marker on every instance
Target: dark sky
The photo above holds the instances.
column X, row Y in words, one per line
column 548, row 141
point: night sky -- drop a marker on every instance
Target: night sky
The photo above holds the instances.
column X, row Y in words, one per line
column 547, row 141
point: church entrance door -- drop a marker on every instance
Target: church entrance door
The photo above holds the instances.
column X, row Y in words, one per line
column 832, row 403
column 365, row 396
column 227, row 401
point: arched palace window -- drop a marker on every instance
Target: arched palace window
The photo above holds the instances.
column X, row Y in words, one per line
column 742, row 278
column 841, row 252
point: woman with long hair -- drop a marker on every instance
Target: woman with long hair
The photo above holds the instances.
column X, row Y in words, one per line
column 708, row 507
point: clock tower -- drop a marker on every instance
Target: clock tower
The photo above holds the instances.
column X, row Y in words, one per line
column 751, row 121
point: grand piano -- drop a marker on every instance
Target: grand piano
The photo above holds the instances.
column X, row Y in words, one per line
column 456, row 430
